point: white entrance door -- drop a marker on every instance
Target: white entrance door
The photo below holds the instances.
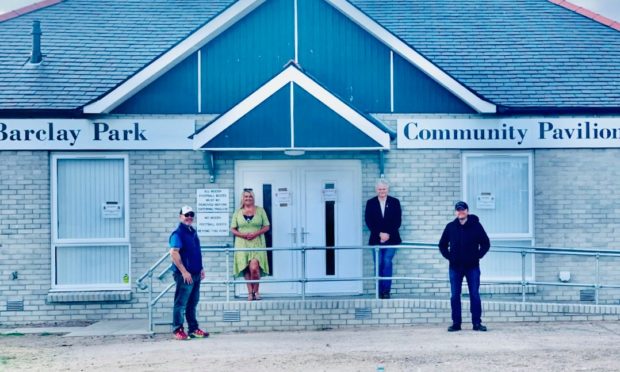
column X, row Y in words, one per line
column 311, row 204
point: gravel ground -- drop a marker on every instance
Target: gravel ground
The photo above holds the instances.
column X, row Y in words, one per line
column 506, row 347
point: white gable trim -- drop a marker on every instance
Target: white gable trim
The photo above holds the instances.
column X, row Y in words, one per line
column 172, row 57
column 291, row 75
column 413, row 57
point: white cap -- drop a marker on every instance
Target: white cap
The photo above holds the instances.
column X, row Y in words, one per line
column 186, row 209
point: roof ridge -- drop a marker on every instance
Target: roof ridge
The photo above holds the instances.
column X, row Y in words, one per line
column 588, row 13
column 28, row 9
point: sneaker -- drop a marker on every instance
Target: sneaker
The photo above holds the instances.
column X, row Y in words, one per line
column 480, row 328
column 180, row 334
column 454, row 328
column 198, row 333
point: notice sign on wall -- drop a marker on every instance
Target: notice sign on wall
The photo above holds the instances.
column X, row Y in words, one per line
column 485, row 200
column 212, row 207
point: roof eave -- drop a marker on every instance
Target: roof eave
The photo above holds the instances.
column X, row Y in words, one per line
column 41, row 113
column 549, row 110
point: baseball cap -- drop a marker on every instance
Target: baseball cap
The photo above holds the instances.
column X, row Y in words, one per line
column 460, row 205
column 186, row 209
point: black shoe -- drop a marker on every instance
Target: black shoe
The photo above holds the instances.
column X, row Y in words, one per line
column 480, row 328
column 385, row 296
column 454, row 328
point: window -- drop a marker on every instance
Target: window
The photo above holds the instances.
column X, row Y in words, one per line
column 498, row 189
column 90, row 222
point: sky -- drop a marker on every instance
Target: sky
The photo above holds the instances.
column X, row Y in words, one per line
column 607, row 8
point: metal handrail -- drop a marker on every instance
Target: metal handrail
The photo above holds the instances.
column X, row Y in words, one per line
column 303, row 280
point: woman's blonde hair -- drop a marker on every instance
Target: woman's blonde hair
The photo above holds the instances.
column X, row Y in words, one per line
column 249, row 191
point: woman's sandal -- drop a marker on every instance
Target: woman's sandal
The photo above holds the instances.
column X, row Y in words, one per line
column 256, row 296
column 251, row 297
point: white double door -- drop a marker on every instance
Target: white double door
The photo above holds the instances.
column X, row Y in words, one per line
column 312, row 203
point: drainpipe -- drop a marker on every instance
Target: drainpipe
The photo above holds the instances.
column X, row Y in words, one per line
column 36, row 57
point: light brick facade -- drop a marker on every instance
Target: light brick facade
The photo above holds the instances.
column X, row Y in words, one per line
column 576, row 206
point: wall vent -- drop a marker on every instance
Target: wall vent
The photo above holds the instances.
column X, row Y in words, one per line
column 15, row 305
column 231, row 316
column 363, row 313
column 587, row 295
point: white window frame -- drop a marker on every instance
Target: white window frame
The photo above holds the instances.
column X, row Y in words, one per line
column 530, row 159
column 507, row 236
column 55, row 241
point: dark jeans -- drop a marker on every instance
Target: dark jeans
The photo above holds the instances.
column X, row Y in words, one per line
column 473, row 283
column 186, row 297
column 385, row 268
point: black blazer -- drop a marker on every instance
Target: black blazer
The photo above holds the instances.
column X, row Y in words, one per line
column 390, row 223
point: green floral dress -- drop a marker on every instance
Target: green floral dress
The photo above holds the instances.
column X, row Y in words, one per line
column 243, row 256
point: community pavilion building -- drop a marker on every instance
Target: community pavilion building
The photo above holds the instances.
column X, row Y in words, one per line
column 115, row 113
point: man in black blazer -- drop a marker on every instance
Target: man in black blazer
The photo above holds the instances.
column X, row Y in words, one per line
column 383, row 217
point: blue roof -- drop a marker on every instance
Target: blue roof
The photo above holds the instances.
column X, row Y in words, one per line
column 516, row 53
column 513, row 53
column 90, row 47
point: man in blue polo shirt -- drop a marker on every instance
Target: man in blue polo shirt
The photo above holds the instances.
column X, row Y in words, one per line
column 188, row 272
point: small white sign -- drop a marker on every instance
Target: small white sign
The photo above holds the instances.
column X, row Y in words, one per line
column 485, row 200
column 212, row 224
column 212, row 200
column 111, row 209
column 283, row 197
column 212, row 208
column 329, row 195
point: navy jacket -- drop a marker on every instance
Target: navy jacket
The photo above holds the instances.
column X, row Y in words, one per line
column 464, row 245
column 190, row 248
column 389, row 223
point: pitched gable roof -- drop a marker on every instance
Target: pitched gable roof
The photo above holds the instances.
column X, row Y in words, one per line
column 90, row 47
column 520, row 54
column 368, row 130
column 515, row 53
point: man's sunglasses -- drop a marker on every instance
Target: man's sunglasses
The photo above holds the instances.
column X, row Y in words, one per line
column 189, row 214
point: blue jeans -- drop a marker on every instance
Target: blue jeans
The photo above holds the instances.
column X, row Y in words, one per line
column 186, row 297
column 385, row 268
column 473, row 283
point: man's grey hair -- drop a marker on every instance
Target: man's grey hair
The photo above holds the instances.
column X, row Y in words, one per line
column 382, row 182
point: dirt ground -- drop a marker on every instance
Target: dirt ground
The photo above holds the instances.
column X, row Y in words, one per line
column 506, row 347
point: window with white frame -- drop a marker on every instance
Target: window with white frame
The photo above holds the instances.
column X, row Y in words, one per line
column 498, row 189
column 90, row 222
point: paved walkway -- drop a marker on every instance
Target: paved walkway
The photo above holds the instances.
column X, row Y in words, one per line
column 102, row 328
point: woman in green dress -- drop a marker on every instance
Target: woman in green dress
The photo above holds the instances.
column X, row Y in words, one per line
column 249, row 225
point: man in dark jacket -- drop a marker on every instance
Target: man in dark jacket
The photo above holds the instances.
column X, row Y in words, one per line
column 463, row 243
column 383, row 218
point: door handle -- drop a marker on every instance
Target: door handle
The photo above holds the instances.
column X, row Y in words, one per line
column 303, row 235
column 294, row 235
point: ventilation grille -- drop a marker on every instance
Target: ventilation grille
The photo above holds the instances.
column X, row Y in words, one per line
column 231, row 316
column 363, row 313
column 586, row 295
column 15, row 305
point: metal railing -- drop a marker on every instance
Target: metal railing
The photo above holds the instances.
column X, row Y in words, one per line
column 229, row 281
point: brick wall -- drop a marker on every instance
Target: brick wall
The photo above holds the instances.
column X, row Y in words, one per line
column 576, row 205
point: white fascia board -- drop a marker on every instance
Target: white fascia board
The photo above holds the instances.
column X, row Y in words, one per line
column 308, row 149
column 242, row 108
column 342, row 109
column 291, row 74
column 172, row 57
column 413, row 57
